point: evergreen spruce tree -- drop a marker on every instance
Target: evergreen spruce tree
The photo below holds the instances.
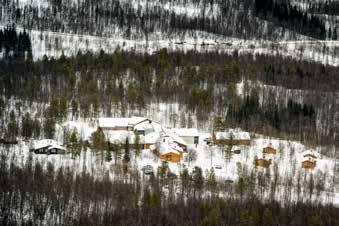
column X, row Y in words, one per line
column 185, row 181
column 211, row 182
column 267, row 217
column 108, row 157
column 198, row 180
column 74, row 145
column 137, row 146
column 49, row 128
column 99, row 143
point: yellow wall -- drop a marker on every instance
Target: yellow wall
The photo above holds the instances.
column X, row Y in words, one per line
column 171, row 157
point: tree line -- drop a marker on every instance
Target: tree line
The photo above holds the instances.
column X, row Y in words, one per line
column 289, row 16
column 204, row 84
column 15, row 44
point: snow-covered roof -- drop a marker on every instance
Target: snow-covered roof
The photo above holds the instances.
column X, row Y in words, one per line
column 307, row 158
column 117, row 137
column 175, row 138
column 146, row 125
column 113, row 122
column 235, row 147
column 310, row 153
column 44, row 143
column 150, row 138
column 237, row 135
column 167, row 145
column 119, row 122
column 186, row 132
column 261, row 155
column 135, row 120
column 57, row 147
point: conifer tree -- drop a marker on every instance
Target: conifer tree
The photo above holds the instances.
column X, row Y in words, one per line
column 267, row 217
column 198, row 180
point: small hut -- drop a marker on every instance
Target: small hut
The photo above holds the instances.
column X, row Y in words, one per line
column 309, row 160
column 47, row 146
column 263, row 161
column 269, row 150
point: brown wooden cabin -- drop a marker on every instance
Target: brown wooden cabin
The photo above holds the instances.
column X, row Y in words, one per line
column 269, row 150
column 309, row 161
column 308, row 164
column 263, row 162
column 171, row 157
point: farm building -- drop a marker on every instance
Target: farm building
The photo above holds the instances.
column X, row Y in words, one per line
column 269, row 150
column 189, row 135
column 177, row 140
column 309, row 160
column 170, row 148
column 47, row 147
column 148, row 132
column 120, row 124
column 231, row 137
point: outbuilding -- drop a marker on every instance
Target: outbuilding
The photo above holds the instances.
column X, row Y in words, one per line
column 48, row 147
column 309, row 160
column 120, row 124
column 269, row 150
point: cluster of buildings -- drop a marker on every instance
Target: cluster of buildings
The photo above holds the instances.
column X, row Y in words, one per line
column 238, row 139
column 167, row 144
column 172, row 144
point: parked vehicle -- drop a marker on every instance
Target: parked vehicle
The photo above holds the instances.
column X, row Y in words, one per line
column 218, row 166
column 148, row 169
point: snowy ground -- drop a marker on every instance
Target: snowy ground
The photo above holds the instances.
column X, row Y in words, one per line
column 54, row 44
column 287, row 162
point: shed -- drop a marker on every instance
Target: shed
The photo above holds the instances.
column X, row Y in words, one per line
column 269, row 150
column 125, row 124
column 48, row 147
column 263, row 161
column 309, row 160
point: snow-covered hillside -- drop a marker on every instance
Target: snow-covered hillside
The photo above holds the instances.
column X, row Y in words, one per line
column 54, row 44
column 286, row 163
